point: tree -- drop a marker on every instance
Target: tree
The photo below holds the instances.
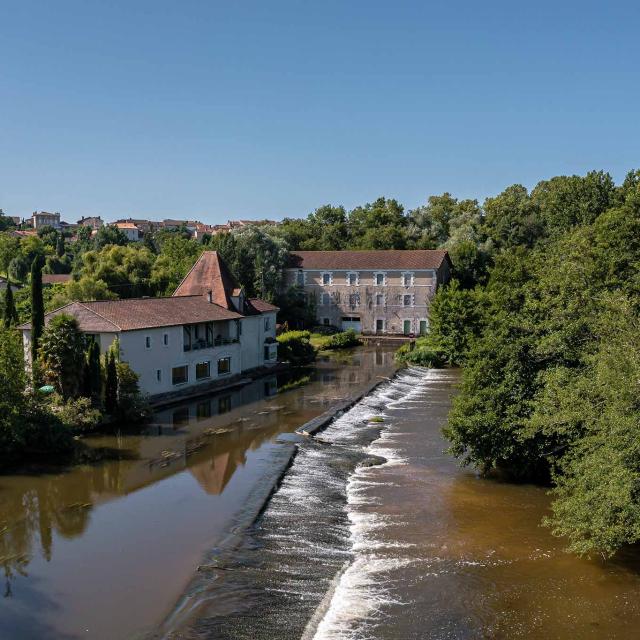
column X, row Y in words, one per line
column 10, row 316
column 60, row 249
column 9, row 249
column 109, row 234
column 110, row 384
column 93, row 372
column 37, row 308
column 62, row 355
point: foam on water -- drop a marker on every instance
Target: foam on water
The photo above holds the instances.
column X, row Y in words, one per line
column 360, row 593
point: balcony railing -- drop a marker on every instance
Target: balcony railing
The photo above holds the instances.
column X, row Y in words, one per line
column 208, row 344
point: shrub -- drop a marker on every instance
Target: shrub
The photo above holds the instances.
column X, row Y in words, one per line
column 343, row 340
column 77, row 415
column 325, row 329
column 294, row 347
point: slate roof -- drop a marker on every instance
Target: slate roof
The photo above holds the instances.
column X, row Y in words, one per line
column 384, row 259
column 104, row 316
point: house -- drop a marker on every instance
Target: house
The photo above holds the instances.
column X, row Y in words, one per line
column 206, row 332
column 45, row 219
column 372, row 292
column 95, row 222
column 129, row 229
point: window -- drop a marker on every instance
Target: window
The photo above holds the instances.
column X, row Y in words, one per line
column 352, row 278
column 180, row 375
column 203, row 410
column 159, row 375
column 224, row 404
column 165, row 339
column 380, row 279
column 407, row 300
column 379, row 300
column 326, row 321
column 203, row 370
column 407, row 279
column 267, row 324
column 327, row 279
column 224, row 366
column 354, row 299
column 147, row 342
column 300, row 278
column 326, row 298
column 186, row 337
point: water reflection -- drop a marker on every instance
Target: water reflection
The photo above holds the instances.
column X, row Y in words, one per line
column 209, row 439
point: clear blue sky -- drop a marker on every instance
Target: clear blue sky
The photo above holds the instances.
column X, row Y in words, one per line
column 240, row 108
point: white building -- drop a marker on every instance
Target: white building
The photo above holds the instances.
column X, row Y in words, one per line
column 130, row 230
column 185, row 341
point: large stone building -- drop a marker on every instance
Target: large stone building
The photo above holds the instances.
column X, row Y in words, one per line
column 373, row 292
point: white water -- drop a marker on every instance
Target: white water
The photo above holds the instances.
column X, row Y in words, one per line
column 359, row 593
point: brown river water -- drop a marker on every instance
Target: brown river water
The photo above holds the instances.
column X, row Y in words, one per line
column 373, row 532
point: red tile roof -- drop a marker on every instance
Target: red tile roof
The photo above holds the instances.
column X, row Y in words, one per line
column 55, row 278
column 385, row 259
column 261, row 305
column 141, row 313
column 209, row 273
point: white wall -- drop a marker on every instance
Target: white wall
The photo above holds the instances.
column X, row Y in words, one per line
column 254, row 334
column 146, row 362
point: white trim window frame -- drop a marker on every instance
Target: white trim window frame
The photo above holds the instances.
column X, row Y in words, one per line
column 383, row 297
column 355, row 275
column 325, row 299
column 384, row 278
column 412, row 300
column 411, row 278
column 329, row 279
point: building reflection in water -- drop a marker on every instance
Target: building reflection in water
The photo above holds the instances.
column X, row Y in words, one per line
column 208, row 437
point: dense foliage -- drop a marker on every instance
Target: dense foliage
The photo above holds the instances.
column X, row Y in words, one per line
column 550, row 387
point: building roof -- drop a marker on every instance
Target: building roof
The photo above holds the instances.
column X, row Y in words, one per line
column 55, row 278
column 385, row 259
column 261, row 306
column 210, row 273
column 125, row 225
column 107, row 316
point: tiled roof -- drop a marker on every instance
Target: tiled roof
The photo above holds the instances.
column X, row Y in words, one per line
column 261, row 305
column 209, row 273
column 142, row 313
column 55, row 278
column 125, row 225
column 385, row 259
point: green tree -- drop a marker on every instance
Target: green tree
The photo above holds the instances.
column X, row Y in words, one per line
column 10, row 315
column 62, row 355
column 110, row 384
column 37, row 307
column 93, row 371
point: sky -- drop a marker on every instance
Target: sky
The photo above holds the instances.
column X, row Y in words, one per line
column 241, row 109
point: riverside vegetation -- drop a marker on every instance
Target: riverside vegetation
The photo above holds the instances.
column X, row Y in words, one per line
column 542, row 315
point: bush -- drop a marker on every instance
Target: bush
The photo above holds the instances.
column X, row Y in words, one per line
column 77, row 415
column 343, row 340
column 294, row 347
column 423, row 353
column 325, row 329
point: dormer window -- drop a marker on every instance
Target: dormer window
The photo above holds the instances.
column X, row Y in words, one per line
column 380, row 278
column 327, row 278
column 353, row 278
column 407, row 278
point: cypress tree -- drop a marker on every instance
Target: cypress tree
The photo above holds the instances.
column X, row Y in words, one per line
column 94, row 378
column 37, row 308
column 111, row 384
column 10, row 314
column 60, row 246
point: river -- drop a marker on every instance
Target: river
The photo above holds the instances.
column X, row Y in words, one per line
column 376, row 534
column 103, row 551
column 373, row 533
